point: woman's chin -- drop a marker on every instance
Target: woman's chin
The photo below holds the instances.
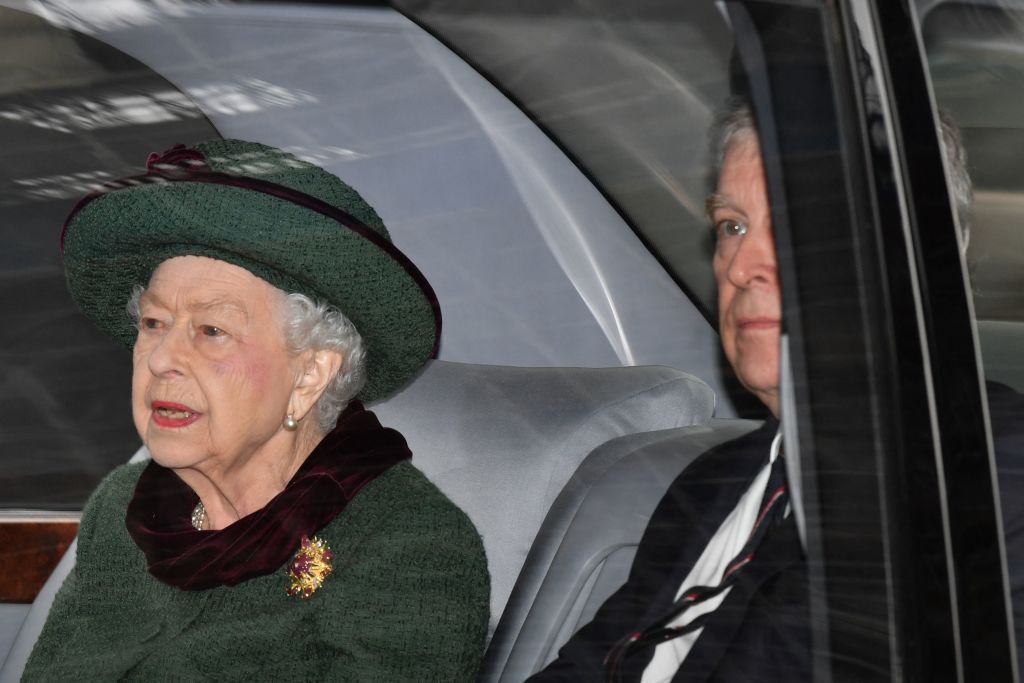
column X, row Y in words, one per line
column 171, row 455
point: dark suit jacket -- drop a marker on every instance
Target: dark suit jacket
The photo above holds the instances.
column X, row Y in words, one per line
column 760, row 632
column 1006, row 414
column 764, row 615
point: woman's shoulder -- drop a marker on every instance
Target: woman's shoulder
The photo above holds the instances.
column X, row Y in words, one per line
column 117, row 487
column 106, row 507
column 410, row 501
column 402, row 519
column 411, row 564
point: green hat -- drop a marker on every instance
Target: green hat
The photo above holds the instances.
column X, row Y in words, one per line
column 285, row 220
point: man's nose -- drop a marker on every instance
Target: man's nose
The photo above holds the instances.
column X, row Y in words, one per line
column 754, row 259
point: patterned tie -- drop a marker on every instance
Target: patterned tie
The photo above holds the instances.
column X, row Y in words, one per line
column 772, row 511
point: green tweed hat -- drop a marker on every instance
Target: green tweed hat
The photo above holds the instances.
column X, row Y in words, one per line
column 285, row 220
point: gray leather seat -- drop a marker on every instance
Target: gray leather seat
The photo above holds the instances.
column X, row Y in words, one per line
column 501, row 442
column 587, row 542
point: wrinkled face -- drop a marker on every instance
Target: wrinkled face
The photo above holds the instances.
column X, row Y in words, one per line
column 212, row 375
column 749, row 298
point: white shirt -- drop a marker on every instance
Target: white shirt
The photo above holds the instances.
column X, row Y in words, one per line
column 727, row 542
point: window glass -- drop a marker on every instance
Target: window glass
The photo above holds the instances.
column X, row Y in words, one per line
column 534, row 262
column 977, row 71
column 628, row 89
column 74, row 112
column 548, row 273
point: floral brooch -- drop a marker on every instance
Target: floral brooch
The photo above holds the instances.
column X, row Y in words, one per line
column 310, row 566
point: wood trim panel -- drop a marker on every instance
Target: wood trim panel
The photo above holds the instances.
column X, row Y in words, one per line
column 29, row 550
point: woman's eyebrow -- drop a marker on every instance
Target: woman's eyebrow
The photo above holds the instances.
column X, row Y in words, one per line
column 227, row 304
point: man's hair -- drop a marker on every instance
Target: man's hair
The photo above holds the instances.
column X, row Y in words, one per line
column 960, row 184
column 736, row 120
column 314, row 325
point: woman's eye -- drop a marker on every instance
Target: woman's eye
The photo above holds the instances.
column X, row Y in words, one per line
column 730, row 228
column 211, row 331
column 150, row 324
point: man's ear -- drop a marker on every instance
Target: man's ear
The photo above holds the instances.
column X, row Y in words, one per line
column 318, row 369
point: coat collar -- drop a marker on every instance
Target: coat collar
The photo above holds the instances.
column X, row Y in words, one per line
column 159, row 514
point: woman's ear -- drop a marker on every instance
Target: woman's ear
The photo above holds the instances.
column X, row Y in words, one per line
column 318, row 369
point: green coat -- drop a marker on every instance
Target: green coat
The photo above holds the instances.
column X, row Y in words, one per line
column 407, row 601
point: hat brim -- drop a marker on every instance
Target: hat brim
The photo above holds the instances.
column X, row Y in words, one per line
column 117, row 240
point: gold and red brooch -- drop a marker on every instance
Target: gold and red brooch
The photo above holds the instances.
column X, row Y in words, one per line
column 310, row 566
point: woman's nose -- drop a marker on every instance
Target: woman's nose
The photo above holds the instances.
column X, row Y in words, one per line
column 168, row 356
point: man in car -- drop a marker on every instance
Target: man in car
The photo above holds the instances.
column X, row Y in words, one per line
column 719, row 572
column 718, row 587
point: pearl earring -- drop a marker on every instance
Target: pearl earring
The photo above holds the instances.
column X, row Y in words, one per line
column 290, row 423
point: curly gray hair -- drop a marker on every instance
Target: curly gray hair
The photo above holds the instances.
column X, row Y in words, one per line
column 307, row 325
column 311, row 324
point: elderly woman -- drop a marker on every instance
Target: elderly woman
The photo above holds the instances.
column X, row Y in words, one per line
column 279, row 532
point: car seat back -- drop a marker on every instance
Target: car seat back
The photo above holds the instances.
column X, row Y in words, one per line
column 586, row 545
column 502, row 441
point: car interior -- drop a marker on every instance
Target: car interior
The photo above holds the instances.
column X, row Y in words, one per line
column 531, row 161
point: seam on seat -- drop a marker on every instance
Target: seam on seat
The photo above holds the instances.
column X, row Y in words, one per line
column 585, row 423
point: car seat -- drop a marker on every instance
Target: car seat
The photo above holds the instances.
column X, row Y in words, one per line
column 586, row 544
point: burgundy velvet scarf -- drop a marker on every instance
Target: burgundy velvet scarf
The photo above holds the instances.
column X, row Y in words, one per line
column 159, row 514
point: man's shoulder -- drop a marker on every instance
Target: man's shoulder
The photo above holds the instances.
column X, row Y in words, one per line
column 728, row 465
column 705, row 493
column 697, row 501
column 1006, row 410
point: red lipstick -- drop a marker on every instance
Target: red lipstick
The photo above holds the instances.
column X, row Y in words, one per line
column 166, row 414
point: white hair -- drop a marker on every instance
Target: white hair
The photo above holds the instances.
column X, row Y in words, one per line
column 311, row 325
column 316, row 325
column 134, row 310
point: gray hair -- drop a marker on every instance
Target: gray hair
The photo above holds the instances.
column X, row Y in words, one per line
column 736, row 120
column 314, row 325
column 960, row 185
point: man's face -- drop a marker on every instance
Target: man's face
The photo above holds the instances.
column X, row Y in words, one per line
column 749, row 300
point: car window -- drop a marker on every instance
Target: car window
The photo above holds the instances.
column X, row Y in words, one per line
column 977, row 76
column 587, row 73
column 74, row 112
column 976, row 72
column 886, row 400
column 548, row 274
column 546, row 166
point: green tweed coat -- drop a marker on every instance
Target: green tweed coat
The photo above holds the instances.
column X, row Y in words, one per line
column 407, row 601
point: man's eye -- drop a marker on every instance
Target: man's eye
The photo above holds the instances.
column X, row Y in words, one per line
column 211, row 331
column 730, row 228
column 150, row 324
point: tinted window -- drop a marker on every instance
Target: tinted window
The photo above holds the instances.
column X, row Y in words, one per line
column 74, row 112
